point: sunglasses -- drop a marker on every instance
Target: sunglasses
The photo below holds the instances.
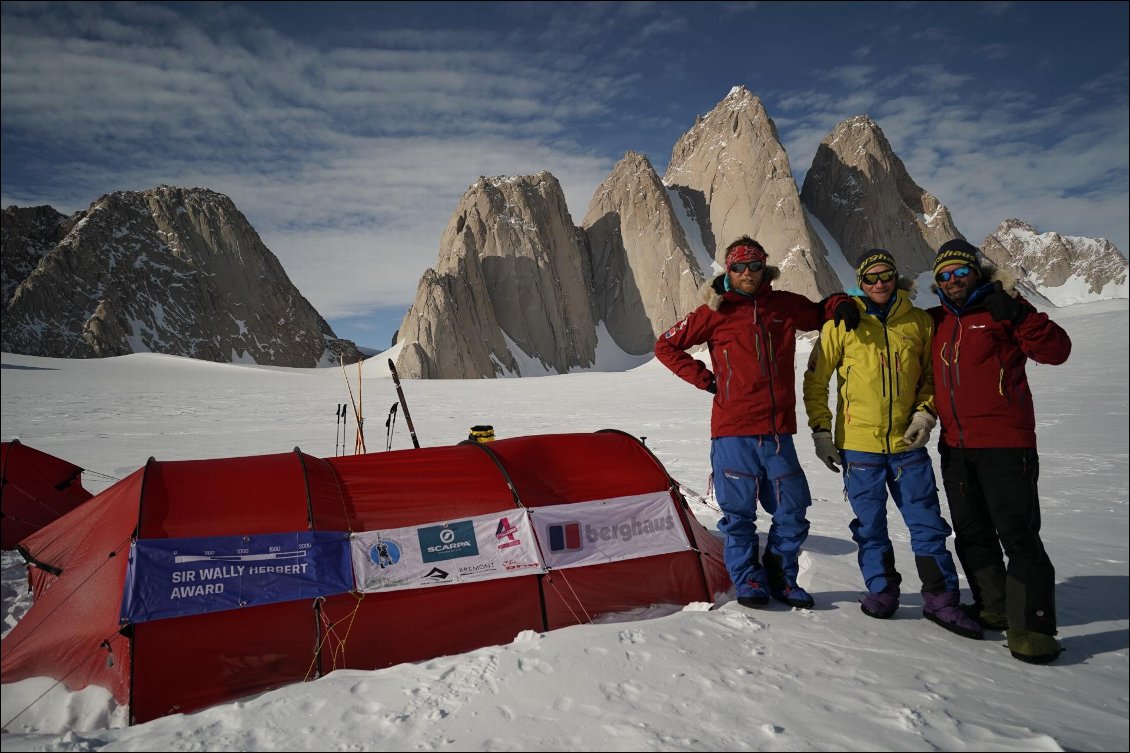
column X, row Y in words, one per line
column 873, row 277
column 741, row 266
column 958, row 273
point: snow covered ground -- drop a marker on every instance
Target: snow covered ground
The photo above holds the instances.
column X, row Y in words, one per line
column 697, row 678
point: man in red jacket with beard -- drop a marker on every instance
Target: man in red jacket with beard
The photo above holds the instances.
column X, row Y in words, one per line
column 751, row 331
column 984, row 335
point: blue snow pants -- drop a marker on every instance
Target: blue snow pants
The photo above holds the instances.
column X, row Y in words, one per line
column 910, row 478
column 764, row 469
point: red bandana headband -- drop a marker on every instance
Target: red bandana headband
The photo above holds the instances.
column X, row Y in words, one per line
column 745, row 253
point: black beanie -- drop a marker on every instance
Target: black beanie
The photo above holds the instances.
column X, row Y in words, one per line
column 957, row 251
column 872, row 257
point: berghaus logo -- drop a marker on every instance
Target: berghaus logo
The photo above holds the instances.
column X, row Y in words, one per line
column 564, row 537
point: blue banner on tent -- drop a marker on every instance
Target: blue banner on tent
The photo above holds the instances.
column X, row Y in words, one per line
column 179, row 577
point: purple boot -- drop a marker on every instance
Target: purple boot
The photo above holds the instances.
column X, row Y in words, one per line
column 753, row 592
column 945, row 609
column 881, row 605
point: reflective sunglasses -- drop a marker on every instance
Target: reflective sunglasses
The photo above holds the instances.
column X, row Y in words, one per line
column 753, row 266
column 873, row 277
column 960, row 272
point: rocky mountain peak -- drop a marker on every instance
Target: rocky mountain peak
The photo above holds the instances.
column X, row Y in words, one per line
column 740, row 97
column 862, row 193
column 166, row 270
column 645, row 277
column 510, row 292
column 732, row 173
column 27, row 234
column 1062, row 269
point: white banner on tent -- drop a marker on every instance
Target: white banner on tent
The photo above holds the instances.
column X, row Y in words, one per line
column 609, row 530
column 484, row 547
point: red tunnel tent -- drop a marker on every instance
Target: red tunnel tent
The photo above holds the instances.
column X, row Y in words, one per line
column 73, row 632
column 36, row 489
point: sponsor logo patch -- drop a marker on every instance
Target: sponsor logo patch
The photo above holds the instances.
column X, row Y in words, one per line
column 479, row 569
column 565, row 537
column 629, row 530
column 506, row 534
column 385, row 553
column 448, row 542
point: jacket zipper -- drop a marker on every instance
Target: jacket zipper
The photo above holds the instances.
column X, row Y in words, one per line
column 1000, row 381
column 772, row 395
column 885, row 363
column 951, row 375
column 729, row 372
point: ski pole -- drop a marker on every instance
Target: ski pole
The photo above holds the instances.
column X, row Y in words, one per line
column 360, row 448
column 344, row 419
column 390, row 427
column 403, row 403
column 337, row 428
column 360, row 441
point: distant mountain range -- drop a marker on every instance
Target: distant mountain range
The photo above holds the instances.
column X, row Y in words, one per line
column 180, row 271
column 168, row 270
column 516, row 282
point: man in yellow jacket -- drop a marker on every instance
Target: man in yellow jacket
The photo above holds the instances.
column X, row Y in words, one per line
column 884, row 416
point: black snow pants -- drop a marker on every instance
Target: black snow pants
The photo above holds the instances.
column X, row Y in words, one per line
column 993, row 504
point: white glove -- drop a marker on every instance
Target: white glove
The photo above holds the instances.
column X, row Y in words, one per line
column 918, row 433
column 826, row 449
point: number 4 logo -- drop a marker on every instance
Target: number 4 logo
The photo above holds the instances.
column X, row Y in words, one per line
column 506, row 534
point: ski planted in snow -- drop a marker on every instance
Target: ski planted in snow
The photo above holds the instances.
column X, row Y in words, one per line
column 403, row 404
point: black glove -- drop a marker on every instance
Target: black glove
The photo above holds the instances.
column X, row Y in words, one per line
column 1003, row 307
column 712, row 388
column 847, row 312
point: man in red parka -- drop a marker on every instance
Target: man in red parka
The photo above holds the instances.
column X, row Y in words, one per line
column 985, row 333
column 751, row 331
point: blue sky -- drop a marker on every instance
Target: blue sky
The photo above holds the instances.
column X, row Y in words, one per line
column 347, row 132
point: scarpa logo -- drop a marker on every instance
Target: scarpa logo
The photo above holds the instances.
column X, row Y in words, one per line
column 447, row 542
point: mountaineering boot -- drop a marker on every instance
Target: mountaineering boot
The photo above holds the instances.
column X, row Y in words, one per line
column 774, row 571
column 988, row 620
column 753, row 594
column 882, row 604
column 945, row 609
column 1032, row 647
column 794, row 596
column 781, row 588
column 987, row 584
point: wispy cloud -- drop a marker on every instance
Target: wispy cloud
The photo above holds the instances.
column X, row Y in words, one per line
column 987, row 153
column 349, row 143
column 359, row 152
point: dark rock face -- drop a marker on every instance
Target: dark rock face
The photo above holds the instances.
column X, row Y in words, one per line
column 168, row 270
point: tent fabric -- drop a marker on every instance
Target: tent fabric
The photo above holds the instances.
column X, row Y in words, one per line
column 182, row 664
column 232, row 496
column 190, row 663
column 36, row 489
column 71, row 631
column 374, row 631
